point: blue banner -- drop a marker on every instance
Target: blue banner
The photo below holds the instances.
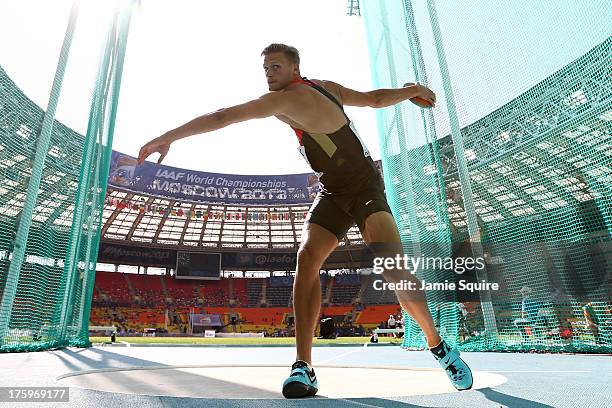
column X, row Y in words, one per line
column 233, row 260
column 172, row 182
column 281, row 281
column 347, row 280
column 270, row 261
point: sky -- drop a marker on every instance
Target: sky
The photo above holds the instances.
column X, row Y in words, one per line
column 187, row 58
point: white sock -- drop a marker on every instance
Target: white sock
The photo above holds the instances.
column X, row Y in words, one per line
column 441, row 340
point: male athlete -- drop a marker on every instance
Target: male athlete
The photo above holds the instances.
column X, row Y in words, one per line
column 351, row 191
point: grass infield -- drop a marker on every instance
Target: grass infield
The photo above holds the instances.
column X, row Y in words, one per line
column 248, row 341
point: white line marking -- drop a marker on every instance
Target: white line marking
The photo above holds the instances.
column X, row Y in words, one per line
column 338, row 356
column 535, row 371
column 126, row 343
column 358, row 403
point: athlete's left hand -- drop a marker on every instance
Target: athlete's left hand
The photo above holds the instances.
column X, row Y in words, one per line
column 423, row 92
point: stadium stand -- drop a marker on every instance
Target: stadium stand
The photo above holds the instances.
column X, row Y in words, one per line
column 241, row 297
column 254, row 287
column 346, row 289
column 164, row 303
column 370, row 296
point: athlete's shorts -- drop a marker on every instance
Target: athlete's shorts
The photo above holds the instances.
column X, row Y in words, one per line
column 339, row 212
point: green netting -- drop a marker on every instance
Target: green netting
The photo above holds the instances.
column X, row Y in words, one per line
column 52, row 196
column 515, row 158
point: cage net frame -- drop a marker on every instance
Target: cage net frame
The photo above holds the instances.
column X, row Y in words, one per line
column 524, row 179
column 52, row 197
column 515, row 172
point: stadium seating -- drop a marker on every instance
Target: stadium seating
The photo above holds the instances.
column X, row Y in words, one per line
column 345, row 289
column 278, row 295
column 113, row 288
column 164, row 302
column 241, row 295
column 254, row 287
column 377, row 314
column 372, row 296
column 148, row 289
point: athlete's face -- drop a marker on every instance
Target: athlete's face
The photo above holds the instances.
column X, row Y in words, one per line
column 279, row 71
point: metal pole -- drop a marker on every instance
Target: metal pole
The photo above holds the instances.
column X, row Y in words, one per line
column 466, row 189
column 95, row 121
column 399, row 125
column 102, row 166
column 42, row 147
column 443, row 245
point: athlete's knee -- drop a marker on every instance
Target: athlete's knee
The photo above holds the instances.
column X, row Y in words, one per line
column 389, row 249
column 380, row 230
column 307, row 255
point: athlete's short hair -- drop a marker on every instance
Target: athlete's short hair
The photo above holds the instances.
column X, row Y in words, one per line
column 292, row 54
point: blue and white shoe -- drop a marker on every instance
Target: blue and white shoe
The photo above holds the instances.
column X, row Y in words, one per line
column 301, row 382
column 457, row 370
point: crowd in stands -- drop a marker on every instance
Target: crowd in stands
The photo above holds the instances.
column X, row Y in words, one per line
column 135, row 302
column 129, row 290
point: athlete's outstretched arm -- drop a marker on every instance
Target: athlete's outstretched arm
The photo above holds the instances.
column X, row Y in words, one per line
column 270, row 104
column 381, row 98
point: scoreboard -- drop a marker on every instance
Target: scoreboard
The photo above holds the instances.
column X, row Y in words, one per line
column 198, row 265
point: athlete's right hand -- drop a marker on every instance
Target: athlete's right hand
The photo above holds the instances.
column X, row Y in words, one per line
column 160, row 145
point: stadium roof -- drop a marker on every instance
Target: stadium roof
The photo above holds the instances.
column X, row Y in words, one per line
column 514, row 173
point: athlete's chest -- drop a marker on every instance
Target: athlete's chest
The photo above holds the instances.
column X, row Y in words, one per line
column 288, row 121
column 317, row 119
column 312, row 112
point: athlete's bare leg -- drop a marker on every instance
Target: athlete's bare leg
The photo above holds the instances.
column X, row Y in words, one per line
column 380, row 228
column 317, row 243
